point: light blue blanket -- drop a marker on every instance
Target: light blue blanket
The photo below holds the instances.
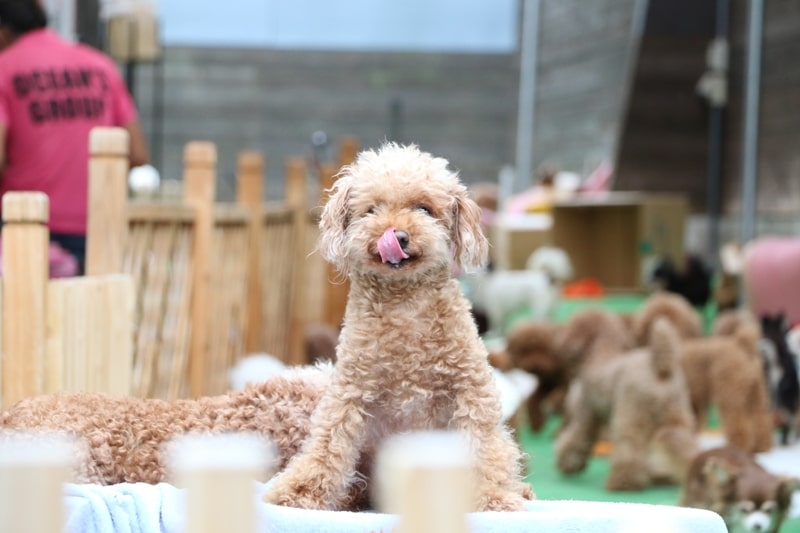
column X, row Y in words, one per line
column 141, row 508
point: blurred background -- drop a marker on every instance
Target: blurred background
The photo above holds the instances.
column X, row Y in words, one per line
column 658, row 89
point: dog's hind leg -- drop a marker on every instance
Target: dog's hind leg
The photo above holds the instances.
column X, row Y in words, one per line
column 628, row 461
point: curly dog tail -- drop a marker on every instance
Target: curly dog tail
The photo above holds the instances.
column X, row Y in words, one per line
column 664, row 346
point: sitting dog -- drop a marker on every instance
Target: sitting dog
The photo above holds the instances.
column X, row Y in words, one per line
column 640, row 395
column 535, row 289
column 122, row 438
column 729, row 481
column 409, row 356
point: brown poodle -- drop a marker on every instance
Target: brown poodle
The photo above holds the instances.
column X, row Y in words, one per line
column 723, row 370
column 640, row 395
column 675, row 308
column 531, row 346
column 125, row 436
column 398, row 223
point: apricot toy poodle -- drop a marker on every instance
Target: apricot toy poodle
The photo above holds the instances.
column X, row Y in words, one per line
column 398, row 223
column 122, row 439
column 640, row 395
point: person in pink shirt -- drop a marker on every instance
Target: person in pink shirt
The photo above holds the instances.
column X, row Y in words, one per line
column 52, row 93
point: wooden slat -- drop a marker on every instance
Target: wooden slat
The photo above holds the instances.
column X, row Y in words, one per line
column 178, row 313
column 250, row 194
column 200, row 159
column 107, row 226
column 296, row 187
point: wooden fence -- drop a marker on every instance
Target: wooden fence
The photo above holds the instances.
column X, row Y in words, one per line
column 213, row 281
column 66, row 334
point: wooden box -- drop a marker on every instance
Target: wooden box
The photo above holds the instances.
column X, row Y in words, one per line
column 617, row 237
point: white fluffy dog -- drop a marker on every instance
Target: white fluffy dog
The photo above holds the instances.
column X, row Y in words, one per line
column 537, row 288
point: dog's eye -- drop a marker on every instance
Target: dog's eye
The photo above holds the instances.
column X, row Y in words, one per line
column 371, row 211
column 768, row 506
column 746, row 507
column 424, row 209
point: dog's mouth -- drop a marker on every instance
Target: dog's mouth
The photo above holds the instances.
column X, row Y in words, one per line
column 393, row 248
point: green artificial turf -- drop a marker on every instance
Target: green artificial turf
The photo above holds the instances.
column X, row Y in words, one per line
column 589, row 485
column 549, row 484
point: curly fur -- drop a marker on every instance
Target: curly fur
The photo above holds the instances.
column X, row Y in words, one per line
column 409, row 356
column 125, row 436
column 723, row 370
column 675, row 307
column 639, row 395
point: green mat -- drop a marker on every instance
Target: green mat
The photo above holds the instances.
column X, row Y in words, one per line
column 550, row 484
column 547, row 481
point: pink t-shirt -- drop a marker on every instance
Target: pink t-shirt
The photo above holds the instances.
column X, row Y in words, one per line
column 52, row 93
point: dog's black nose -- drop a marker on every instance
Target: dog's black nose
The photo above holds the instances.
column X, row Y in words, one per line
column 402, row 238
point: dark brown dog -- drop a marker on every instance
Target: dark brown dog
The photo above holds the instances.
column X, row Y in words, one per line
column 531, row 346
column 730, row 482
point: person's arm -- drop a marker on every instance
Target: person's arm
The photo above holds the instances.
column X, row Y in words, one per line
column 139, row 153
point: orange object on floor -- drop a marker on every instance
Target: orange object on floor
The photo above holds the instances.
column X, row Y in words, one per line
column 583, row 288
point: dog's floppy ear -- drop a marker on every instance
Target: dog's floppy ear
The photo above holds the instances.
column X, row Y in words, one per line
column 334, row 221
column 471, row 247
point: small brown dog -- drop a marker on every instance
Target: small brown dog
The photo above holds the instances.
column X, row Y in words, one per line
column 728, row 481
column 398, row 223
column 531, row 346
column 723, row 370
column 640, row 395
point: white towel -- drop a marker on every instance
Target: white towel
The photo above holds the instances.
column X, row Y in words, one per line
column 141, row 508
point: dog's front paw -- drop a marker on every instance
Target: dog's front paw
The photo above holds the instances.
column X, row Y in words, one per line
column 571, row 461
column 502, row 501
column 291, row 492
column 627, row 476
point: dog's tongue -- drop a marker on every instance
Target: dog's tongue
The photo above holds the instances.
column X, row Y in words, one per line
column 390, row 249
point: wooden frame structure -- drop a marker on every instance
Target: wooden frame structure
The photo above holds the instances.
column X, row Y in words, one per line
column 65, row 334
column 213, row 280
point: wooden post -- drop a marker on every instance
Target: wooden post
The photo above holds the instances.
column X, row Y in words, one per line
column 217, row 472
column 250, row 194
column 296, row 198
column 336, row 284
column 25, row 277
column 107, row 229
column 33, row 470
column 428, row 479
column 348, row 150
column 199, row 175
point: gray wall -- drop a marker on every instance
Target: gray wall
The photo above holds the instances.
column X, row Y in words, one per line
column 596, row 98
column 458, row 106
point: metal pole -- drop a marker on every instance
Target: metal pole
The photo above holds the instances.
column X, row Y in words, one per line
column 752, row 98
column 527, row 94
column 715, row 147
